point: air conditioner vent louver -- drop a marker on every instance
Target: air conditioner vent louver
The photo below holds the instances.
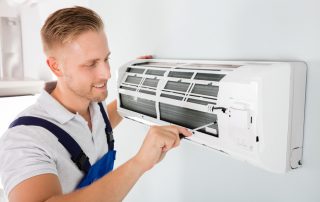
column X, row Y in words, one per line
column 250, row 110
column 177, row 86
column 209, row 77
column 133, row 79
column 140, row 105
column 151, row 82
column 155, row 72
column 184, row 75
column 205, row 90
column 135, row 70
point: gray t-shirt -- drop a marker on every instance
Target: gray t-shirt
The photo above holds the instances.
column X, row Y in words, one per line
column 27, row 151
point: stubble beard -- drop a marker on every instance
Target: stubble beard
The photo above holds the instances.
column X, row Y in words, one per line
column 89, row 95
column 99, row 98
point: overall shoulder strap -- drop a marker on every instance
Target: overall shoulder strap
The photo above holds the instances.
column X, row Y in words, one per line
column 77, row 155
column 108, row 128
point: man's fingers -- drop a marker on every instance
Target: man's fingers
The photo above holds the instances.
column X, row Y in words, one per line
column 184, row 131
column 145, row 57
column 169, row 136
column 177, row 133
column 178, row 130
column 169, row 140
column 158, row 141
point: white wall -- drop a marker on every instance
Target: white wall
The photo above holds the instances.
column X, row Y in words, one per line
column 7, row 10
column 220, row 30
column 33, row 17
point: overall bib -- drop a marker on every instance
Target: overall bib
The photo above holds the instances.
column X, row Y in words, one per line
column 91, row 172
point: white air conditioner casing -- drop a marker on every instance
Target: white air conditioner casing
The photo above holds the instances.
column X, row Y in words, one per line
column 252, row 111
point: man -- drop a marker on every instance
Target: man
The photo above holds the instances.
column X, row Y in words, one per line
column 34, row 165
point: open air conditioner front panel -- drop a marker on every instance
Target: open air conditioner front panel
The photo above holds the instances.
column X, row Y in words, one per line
column 244, row 109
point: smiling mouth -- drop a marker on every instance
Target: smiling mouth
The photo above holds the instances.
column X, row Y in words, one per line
column 102, row 85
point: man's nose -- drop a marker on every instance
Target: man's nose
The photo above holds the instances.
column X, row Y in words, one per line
column 105, row 71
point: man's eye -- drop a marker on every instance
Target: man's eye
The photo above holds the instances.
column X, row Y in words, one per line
column 106, row 60
column 92, row 65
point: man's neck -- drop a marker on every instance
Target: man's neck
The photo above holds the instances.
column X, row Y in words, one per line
column 71, row 101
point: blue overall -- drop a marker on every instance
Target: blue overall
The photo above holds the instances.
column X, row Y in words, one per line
column 91, row 172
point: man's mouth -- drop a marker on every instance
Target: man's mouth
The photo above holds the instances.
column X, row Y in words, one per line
column 102, row 85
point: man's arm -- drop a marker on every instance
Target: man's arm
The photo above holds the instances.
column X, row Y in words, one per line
column 114, row 116
column 113, row 186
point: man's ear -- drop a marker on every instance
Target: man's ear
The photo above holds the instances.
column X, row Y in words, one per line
column 54, row 66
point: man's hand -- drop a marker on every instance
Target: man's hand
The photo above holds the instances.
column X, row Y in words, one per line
column 157, row 142
column 145, row 57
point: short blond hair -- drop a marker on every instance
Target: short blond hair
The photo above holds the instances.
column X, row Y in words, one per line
column 66, row 24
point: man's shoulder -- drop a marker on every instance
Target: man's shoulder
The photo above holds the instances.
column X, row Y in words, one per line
column 33, row 110
column 21, row 133
column 27, row 132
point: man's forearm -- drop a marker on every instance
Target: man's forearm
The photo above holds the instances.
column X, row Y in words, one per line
column 114, row 116
column 112, row 187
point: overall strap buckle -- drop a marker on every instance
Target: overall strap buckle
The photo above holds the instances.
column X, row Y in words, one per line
column 108, row 128
column 81, row 161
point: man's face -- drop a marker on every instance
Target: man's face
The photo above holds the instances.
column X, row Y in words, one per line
column 85, row 66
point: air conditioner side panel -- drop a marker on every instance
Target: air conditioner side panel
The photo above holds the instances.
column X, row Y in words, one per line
column 298, row 106
column 267, row 97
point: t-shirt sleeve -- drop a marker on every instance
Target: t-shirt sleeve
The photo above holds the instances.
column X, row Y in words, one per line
column 22, row 156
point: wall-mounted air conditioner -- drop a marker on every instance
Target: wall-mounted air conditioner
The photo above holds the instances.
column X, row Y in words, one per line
column 253, row 111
